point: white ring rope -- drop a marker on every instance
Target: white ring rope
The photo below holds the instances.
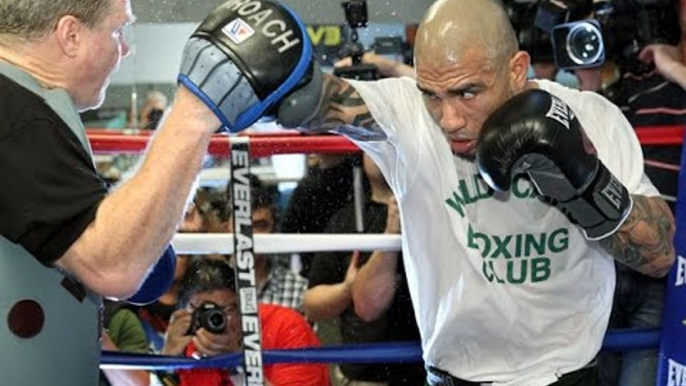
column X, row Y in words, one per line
column 208, row 243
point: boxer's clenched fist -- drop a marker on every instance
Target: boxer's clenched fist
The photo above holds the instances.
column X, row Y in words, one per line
column 538, row 134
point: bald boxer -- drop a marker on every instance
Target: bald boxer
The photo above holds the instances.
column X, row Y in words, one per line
column 516, row 197
column 64, row 241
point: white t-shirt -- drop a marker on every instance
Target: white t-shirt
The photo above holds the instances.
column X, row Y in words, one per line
column 505, row 288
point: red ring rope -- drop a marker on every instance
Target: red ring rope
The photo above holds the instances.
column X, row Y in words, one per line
column 291, row 142
column 260, row 146
column 660, row 135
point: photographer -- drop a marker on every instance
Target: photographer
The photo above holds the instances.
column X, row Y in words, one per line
column 658, row 97
column 208, row 302
column 647, row 97
column 653, row 98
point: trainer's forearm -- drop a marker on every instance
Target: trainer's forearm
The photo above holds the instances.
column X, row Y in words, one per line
column 326, row 301
column 375, row 285
column 137, row 220
column 645, row 240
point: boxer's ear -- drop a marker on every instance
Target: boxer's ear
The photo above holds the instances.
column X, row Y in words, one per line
column 519, row 68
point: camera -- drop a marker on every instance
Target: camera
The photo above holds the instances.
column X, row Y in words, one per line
column 154, row 117
column 356, row 13
column 356, row 17
column 535, row 41
column 209, row 316
column 578, row 44
column 586, row 33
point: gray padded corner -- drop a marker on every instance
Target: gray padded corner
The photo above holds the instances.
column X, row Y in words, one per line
column 190, row 54
column 241, row 98
column 220, row 79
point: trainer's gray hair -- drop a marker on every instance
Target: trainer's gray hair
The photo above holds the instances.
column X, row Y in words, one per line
column 32, row 19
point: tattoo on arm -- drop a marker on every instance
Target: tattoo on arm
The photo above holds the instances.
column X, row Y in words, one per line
column 343, row 107
column 645, row 240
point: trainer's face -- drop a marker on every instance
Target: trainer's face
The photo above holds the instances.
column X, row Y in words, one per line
column 103, row 48
column 461, row 94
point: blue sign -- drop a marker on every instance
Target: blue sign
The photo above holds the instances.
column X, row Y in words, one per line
column 672, row 370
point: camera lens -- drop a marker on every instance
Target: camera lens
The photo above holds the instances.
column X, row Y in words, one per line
column 210, row 317
column 213, row 321
column 585, row 43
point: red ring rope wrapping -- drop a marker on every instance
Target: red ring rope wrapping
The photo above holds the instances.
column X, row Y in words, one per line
column 291, row 142
column 260, row 146
column 660, row 135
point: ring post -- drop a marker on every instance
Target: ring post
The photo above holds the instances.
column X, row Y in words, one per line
column 243, row 243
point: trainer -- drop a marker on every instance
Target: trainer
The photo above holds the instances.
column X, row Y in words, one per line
column 65, row 240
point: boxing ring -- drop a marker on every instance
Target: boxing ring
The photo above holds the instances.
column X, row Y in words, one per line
column 670, row 339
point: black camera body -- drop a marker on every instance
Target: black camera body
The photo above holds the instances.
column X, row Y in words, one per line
column 586, row 33
column 356, row 13
column 209, row 316
column 579, row 44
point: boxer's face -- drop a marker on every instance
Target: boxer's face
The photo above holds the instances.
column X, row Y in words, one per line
column 460, row 94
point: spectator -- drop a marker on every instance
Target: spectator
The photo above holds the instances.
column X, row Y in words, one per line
column 154, row 318
column 652, row 98
column 368, row 292
column 276, row 284
column 326, row 189
column 214, row 281
column 153, row 109
column 151, row 113
column 123, row 332
column 544, row 70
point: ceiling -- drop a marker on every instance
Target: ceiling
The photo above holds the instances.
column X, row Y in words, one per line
column 312, row 11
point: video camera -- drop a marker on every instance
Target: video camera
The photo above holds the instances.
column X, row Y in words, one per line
column 357, row 17
column 209, row 316
column 535, row 41
column 585, row 33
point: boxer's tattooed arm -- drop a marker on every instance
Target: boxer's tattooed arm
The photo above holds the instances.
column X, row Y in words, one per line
column 344, row 111
column 645, row 241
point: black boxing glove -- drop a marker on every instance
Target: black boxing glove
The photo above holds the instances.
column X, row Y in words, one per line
column 538, row 134
column 247, row 59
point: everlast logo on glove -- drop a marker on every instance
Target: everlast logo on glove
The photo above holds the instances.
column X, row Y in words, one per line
column 560, row 112
column 613, row 193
